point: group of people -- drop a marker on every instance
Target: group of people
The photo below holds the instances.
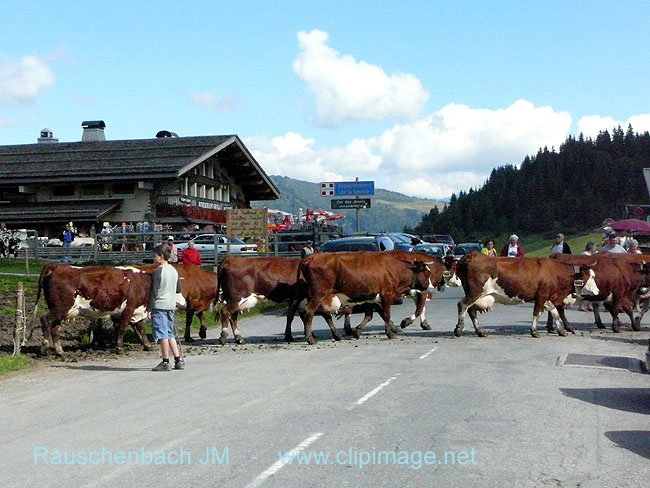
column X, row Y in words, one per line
column 611, row 243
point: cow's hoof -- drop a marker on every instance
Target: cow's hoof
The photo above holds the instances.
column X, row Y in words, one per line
column 600, row 325
column 348, row 331
column 550, row 329
column 395, row 330
column 425, row 325
column 568, row 328
column 337, row 337
column 311, row 340
column 222, row 339
column 288, row 338
column 203, row 332
column 188, row 339
column 405, row 323
column 616, row 326
column 481, row 333
column 636, row 324
column 535, row 334
column 458, row 332
column 146, row 347
column 356, row 333
column 118, row 350
column 390, row 335
column 562, row 332
column 240, row 340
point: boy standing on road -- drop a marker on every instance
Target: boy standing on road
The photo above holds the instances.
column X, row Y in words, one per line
column 165, row 284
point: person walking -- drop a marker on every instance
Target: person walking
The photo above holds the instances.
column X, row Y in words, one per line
column 513, row 249
column 489, row 250
column 191, row 255
column 612, row 245
column 173, row 257
column 560, row 247
column 165, row 284
column 307, row 249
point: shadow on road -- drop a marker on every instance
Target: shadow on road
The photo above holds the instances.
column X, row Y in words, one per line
column 637, row 441
column 635, row 400
column 96, row 367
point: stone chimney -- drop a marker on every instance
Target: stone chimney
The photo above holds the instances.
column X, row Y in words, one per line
column 93, row 131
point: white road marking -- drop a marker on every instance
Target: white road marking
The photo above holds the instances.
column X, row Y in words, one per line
column 427, row 354
column 276, row 466
column 365, row 398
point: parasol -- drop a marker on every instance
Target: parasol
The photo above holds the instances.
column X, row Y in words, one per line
column 633, row 226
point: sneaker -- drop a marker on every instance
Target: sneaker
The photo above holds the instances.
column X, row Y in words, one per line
column 163, row 366
column 180, row 364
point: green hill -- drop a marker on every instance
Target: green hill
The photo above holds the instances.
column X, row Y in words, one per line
column 390, row 212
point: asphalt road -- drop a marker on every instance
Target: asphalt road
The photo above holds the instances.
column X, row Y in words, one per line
column 425, row 409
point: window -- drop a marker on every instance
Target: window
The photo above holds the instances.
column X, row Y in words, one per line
column 93, row 190
column 123, row 188
column 63, row 191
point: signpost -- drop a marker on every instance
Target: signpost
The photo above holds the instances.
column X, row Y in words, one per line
column 349, row 189
column 342, row 203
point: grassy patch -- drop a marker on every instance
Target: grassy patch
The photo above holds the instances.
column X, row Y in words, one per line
column 13, row 363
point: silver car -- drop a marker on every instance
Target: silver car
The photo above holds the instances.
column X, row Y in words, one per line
column 205, row 242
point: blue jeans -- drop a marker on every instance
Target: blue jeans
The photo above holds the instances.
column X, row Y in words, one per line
column 162, row 324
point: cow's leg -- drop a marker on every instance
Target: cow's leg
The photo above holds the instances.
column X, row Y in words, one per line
column 597, row 320
column 347, row 325
column 367, row 317
column 310, row 311
column 235, row 331
column 291, row 313
column 203, row 330
column 549, row 323
column 386, row 302
column 55, row 331
column 463, row 306
column 141, row 332
column 473, row 315
column 47, row 334
column 612, row 308
column 227, row 313
column 565, row 321
column 121, row 326
column 189, row 316
column 336, row 335
column 629, row 310
column 420, row 305
column 553, row 311
column 645, row 304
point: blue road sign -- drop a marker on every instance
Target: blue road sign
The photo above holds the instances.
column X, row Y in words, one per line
column 354, row 188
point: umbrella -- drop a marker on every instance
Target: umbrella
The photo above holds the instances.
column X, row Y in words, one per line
column 631, row 225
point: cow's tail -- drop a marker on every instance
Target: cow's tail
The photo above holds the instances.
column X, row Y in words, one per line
column 45, row 273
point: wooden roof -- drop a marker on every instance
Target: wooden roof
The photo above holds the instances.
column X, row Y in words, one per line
column 137, row 159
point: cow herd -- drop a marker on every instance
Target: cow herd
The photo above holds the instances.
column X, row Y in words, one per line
column 334, row 284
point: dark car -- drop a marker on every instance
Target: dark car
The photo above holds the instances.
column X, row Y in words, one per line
column 435, row 249
column 445, row 239
column 465, row 248
column 402, row 242
column 358, row 243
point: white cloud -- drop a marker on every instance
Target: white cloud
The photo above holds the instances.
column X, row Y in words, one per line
column 210, row 101
column 25, row 80
column 451, row 150
column 591, row 125
column 348, row 90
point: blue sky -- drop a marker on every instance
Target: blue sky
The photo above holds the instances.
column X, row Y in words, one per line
column 424, row 98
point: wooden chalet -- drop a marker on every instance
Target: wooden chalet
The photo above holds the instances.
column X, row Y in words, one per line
column 176, row 181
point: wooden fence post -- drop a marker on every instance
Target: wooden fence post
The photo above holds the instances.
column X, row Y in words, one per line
column 20, row 318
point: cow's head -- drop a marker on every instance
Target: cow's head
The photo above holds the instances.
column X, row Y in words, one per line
column 449, row 272
column 422, row 276
column 584, row 281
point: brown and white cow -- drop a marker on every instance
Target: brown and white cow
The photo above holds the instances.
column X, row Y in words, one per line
column 93, row 292
column 620, row 278
column 346, row 278
column 200, row 289
column 510, row 281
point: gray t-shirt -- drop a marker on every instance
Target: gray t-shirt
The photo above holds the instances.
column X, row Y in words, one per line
column 164, row 286
column 615, row 249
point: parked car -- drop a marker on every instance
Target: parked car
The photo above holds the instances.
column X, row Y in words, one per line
column 445, row 239
column 434, row 249
column 358, row 243
column 205, row 242
column 465, row 248
column 402, row 241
